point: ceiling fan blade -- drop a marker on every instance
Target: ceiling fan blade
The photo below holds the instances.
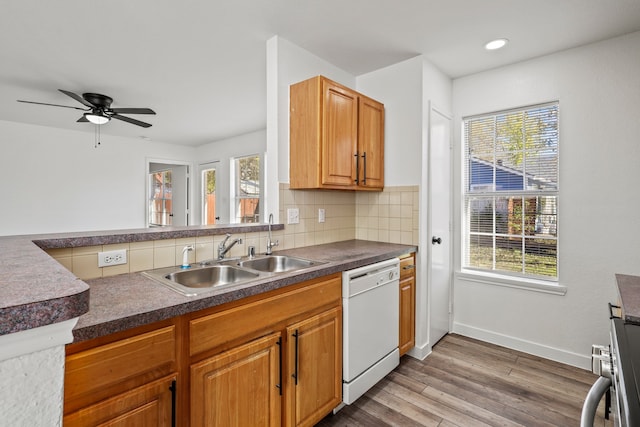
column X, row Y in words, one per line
column 77, row 98
column 133, row 110
column 82, row 119
column 130, row 120
column 53, row 105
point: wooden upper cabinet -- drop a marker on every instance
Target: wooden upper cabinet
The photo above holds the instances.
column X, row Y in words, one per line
column 339, row 135
column 336, row 137
column 371, row 142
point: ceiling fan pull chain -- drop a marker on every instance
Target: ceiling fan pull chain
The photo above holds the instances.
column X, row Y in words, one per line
column 97, row 134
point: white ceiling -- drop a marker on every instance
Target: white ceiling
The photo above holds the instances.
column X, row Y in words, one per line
column 200, row 64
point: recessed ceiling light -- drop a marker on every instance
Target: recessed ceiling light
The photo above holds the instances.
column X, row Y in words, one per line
column 495, row 44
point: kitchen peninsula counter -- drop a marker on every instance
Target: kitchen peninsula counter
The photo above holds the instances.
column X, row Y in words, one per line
column 130, row 300
column 629, row 291
column 37, row 291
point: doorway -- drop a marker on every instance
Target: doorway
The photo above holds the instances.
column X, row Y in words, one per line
column 167, row 194
column 439, row 225
column 208, row 185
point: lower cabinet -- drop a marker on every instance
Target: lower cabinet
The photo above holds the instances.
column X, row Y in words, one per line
column 268, row 360
column 407, row 303
column 152, row 404
column 126, row 379
column 315, row 356
column 240, row 387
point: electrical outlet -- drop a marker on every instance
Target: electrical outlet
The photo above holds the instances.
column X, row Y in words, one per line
column 293, row 216
column 107, row 259
column 320, row 215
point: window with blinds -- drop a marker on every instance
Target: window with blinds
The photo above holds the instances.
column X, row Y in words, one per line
column 511, row 192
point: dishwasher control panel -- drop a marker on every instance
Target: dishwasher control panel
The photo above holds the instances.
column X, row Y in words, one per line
column 370, row 276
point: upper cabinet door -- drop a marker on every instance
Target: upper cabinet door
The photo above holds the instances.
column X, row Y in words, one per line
column 371, row 143
column 339, row 135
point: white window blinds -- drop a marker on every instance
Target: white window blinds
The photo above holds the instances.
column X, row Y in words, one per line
column 511, row 192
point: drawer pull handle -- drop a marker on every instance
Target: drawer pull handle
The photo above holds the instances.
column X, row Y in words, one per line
column 296, row 335
column 279, row 385
column 409, row 267
column 173, row 389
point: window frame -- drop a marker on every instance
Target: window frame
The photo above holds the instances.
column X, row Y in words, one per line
column 233, row 196
column 539, row 282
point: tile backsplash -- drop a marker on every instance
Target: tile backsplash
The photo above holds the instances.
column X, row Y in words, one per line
column 388, row 216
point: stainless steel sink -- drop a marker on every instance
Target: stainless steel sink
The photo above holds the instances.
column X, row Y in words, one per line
column 277, row 263
column 198, row 280
column 206, row 276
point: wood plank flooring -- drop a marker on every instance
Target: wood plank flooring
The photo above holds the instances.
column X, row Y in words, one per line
column 468, row 383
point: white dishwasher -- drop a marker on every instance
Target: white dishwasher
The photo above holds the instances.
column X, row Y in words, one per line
column 370, row 301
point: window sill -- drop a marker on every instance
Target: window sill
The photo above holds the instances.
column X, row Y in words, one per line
column 512, row 282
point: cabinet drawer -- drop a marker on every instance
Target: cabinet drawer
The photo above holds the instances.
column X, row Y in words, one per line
column 150, row 355
column 407, row 267
column 148, row 405
column 210, row 331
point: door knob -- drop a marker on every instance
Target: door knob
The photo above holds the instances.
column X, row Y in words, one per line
column 436, row 240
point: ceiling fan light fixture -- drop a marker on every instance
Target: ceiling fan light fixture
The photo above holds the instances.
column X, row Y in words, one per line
column 97, row 119
column 496, row 44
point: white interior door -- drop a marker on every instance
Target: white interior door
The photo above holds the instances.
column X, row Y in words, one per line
column 439, row 255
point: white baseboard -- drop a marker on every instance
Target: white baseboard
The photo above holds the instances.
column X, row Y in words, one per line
column 420, row 352
column 563, row 356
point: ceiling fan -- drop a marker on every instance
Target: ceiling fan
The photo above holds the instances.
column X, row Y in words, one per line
column 99, row 109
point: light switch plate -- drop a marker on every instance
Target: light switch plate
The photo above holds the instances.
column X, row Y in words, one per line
column 293, row 216
column 320, row 215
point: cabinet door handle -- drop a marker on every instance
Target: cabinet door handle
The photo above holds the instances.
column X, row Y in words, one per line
column 357, row 180
column 364, row 174
column 173, row 389
column 409, row 267
column 611, row 315
column 296, row 335
column 279, row 385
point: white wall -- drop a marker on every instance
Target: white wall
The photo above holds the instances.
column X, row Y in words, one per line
column 598, row 87
column 31, row 391
column 288, row 63
column 223, row 152
column 399, row 88
column 407, row 90
column 54, row 180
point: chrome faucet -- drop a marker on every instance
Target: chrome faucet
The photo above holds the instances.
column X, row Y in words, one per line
column 223, row 248
column 270, row 243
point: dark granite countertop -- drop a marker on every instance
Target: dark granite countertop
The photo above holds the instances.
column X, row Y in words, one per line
column 129, row 300
column 35, row 290
column 629, row 291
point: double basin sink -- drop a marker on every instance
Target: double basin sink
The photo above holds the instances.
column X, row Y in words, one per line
column 204, row 277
